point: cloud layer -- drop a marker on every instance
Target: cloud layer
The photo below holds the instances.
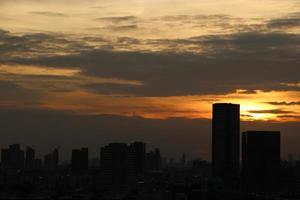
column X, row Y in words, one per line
column 249, row 61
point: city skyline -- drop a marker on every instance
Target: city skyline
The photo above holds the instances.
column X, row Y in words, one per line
column 225, row 126
column 69, row 132
column 248, row 166
column 150, row 99
column 140, row 70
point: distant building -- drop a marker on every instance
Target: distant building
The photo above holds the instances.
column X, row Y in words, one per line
column 114, row 163
column 291, row 159
column 51, row 160
column 122, row 163
column 154, row 160
column 80, row 159
column 30, row 158
column 183, row 160
column 136, row 160
column 38, row 164
column 261, row 161
column 12, row 158
column 201, row 167
column 297, row 176
column 226, row 142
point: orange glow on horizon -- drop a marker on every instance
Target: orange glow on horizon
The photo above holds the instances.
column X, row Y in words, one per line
column 253, row 106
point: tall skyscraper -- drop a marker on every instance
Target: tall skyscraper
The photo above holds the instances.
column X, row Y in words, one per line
column 80, row 159
column 226, row 141
column 261, row 161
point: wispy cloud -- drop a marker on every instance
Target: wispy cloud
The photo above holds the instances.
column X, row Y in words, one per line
column 291, row 20
column 118, row 19
column 49, row 13
column 296, row 117
column 116, row 28
column 271, row 111
column 284, row 103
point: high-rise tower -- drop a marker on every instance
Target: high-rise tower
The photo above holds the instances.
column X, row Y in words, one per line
column 226, row 141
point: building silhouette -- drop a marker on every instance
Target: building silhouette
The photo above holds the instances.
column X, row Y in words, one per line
column 297, row 176
column 29, row 158
column 114, row 163
column 226, row 142
column 261, row 161
column 182, row 160
column 80, row 159
column 126, row 171
column 154, row 160
column 122, row 163
column 136, row 160
column 51, row 160
column 12, row 157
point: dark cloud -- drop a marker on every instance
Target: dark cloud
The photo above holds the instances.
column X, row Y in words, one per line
column 244, row 115
column 285, row 23
column 296, row 117
column 49, row 13
column 284, row 103
column 290, row 21
column 247, row 92
column 272, row 111
column 36, row 44
column 250, row 61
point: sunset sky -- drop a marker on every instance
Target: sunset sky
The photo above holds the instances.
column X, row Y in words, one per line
column 153, row 59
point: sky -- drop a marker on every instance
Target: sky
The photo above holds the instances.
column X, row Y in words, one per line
column 75, row 64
